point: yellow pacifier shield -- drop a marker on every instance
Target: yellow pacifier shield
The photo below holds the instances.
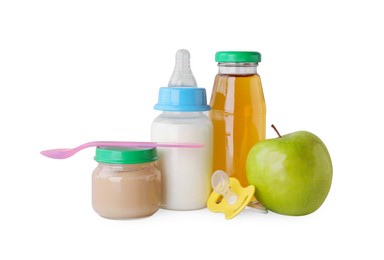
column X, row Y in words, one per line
column 217, row 203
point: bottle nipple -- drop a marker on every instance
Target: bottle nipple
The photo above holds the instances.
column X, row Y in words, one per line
column 182, row 75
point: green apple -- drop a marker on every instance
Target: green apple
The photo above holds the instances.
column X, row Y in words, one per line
column 292, row 174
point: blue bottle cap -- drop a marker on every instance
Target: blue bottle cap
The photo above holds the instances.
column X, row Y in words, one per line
column 185, row 99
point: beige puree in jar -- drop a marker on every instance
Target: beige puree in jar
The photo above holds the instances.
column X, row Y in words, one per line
column 126, row 183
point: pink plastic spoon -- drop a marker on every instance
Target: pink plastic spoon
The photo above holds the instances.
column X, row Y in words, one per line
column 64, row 153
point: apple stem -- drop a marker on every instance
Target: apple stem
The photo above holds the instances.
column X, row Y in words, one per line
column 277, row 132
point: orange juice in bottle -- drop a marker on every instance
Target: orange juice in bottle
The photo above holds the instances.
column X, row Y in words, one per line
column 238, row 111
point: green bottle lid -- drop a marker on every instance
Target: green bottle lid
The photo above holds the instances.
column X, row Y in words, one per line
column 238, row 56
column 123, row 155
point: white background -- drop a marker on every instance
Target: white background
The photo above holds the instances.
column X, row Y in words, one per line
column 77, row 71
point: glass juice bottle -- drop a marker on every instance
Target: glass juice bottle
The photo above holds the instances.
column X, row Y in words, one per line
column 238, row 111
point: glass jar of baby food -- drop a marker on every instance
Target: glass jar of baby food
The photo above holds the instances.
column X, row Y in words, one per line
column 126, row 183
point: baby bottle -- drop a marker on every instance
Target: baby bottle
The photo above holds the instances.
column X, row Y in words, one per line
column 186, row 173
column 238, row 111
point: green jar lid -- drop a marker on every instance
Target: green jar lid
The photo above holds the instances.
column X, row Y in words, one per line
column 122, row 155
column 237, row 56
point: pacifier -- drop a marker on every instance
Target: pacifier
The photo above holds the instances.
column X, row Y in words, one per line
column 230, row 198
